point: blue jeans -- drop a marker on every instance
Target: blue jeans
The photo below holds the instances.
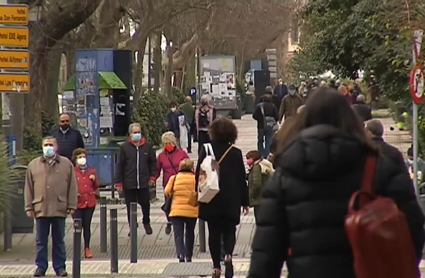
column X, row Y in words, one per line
column 43, row 225
column 264, row 141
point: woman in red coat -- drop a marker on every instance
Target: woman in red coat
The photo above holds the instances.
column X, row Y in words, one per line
column 88, row 183
column 168, row 162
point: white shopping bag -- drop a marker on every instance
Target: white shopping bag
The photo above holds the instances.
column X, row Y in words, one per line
column 183, row 133
column 208, row 185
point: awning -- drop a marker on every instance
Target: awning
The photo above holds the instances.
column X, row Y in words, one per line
column 107, row 80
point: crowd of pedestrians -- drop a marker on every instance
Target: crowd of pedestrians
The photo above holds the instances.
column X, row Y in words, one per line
column 313, row 144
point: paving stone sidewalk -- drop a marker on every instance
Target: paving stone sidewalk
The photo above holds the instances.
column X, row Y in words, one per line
column 147, row 268
column 159, row 245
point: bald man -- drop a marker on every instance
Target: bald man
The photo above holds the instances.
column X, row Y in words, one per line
column 362, row 110
column 375, row 130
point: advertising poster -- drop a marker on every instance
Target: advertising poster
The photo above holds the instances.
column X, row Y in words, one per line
column 218, row 80
column 87, row 97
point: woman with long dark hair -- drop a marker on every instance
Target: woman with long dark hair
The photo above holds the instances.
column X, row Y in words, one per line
column 320, row 165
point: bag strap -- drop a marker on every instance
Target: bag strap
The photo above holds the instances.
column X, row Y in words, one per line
column 174, row 181
column 171, row 164
column 225, row 153
column 262, row 109
column 369, row 170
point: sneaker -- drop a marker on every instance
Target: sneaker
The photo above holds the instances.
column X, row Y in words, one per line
column 148, row 229
column 168, row 229
column 39, row 273
column 62, row 273
column 87, row 253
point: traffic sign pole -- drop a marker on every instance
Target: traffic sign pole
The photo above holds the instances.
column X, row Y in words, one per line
column 417, row 98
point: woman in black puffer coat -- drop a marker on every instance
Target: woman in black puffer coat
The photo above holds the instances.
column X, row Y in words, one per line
column 301, row 219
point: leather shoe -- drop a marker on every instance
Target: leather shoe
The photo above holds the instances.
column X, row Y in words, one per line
column 62, row 273
column 39, row 273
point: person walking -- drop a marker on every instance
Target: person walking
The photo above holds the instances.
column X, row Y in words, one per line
column 189, row 113
column 183, row 215
column 204, row 116
column 363, row 111
column 88, row 184
column 375, row 131
column 168, row 162
column 135, row 171
column 223, row 213
column 303, row 207
column 67, row 137
column 266, row 115
column 260, row 170
column 174, row 121
column 280, row 90
column 290, row 103
column 50, row 194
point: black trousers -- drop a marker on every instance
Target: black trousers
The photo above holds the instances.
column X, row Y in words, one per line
column 184, row 235
column 86, row 215
column 256, row 210
column 221, row 230
column 203, row 138
column 140, row 196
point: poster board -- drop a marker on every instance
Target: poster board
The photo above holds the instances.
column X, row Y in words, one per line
column 218, row 80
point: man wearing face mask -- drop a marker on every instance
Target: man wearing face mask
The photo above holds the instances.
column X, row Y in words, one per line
column 68, row 138
column 135, row 172
column 172, row 121
column 290, row 104
column 50, row 196
column 280, row 90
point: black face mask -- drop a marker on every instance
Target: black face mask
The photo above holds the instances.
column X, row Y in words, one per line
column 64, row 126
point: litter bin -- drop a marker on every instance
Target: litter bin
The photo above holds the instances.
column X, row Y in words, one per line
column 21, row 223
column 249, row 104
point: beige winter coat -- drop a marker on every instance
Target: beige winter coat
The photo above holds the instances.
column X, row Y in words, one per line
column 50, row 191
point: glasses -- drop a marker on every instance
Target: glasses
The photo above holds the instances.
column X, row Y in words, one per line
column 64, row 121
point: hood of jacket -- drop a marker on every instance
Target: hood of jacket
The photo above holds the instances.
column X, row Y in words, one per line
column 266, row 167
column 319, row 152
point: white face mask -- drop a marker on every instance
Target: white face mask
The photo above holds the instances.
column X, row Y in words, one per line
column 81, row 161
column 173, row 109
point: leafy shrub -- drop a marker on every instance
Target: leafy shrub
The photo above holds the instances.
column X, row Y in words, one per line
column 151, row 111
column 178, row 95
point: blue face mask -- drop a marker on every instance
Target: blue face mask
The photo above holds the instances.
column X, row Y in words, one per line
column 136, row 137
column 48, row 151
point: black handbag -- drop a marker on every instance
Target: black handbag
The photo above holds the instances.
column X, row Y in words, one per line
column 166, row 207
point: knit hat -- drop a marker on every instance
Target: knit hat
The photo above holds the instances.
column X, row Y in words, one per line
column 169, row 137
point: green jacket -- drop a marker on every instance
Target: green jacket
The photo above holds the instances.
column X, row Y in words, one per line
column 257, row 178
column 188, row 110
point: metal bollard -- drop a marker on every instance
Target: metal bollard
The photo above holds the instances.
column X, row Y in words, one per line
column 103, row 227
column 133, row 232
column 202, row 242
column 76, row 259
column 7, row 236
column 114, row 240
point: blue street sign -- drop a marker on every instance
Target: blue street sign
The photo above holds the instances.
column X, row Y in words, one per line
column 192, row 91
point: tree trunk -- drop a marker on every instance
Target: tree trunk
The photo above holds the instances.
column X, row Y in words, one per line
column 50, row 107
column 190, row 76
column 52, row 27
column 157, row 58
column 169, row 70
column 138, row 78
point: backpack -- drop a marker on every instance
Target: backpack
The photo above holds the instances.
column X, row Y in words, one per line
column 377, row 230
column 270, row 124
column 208, row 185
column 203, row 118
